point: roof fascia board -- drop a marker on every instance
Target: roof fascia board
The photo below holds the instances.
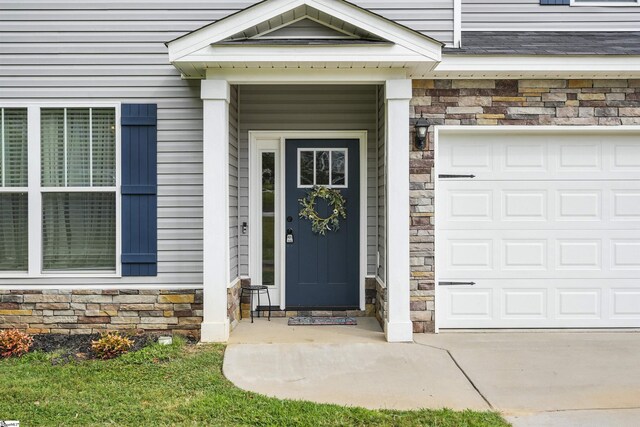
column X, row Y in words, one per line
column 538, row 63
column 347, row 12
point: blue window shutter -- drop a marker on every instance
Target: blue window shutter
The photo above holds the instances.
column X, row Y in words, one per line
column 139, row 189
column 555, row 2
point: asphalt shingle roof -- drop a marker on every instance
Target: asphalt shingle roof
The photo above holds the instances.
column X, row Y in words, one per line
column 548, row 43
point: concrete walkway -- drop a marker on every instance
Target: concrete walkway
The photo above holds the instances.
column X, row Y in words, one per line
column 346, row 365
column 533, row 378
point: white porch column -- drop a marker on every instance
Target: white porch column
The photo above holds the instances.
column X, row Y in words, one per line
column 215, row 157
column 398, row 326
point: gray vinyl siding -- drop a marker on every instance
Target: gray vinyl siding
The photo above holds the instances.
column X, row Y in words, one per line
column 302, row 107
column 51, row 53
column 233, row 184
column 145, row 24
column 529, row 15
column 382, row 188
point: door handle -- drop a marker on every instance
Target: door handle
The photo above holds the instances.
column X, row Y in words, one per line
column 289, row 238
column 456, row 283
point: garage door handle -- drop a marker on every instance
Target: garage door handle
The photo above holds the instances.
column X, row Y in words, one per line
column 456, row 283
column 455, row 176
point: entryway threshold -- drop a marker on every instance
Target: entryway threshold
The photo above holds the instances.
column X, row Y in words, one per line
column 277, row 331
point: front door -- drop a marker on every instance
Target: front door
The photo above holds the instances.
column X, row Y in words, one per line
column 322, row 271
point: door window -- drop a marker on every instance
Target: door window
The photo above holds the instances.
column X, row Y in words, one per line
column 268, row 217
column 321, row 166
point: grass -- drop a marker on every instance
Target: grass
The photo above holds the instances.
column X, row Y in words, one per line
column 176, row 385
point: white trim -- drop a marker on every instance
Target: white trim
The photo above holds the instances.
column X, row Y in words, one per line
column 215, row 200
column 319, row 76
column 581, row 3
column 2, row 168
column 16, row 286
column 559, row 27
column 283, row 136
column 34, row 196
column 457, row 23
column 35, row 190
column 257, row 146
column 535, row 66
column 458, row 66
column 398, row 326
column 233, row 282
column 441, row 130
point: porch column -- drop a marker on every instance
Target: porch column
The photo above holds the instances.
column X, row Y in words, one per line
column 398, row 326
column 215, row 158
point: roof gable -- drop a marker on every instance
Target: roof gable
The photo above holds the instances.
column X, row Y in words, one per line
column 320, row 20
column 303, row 22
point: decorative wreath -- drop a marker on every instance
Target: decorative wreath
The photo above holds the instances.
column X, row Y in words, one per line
column 336, row 203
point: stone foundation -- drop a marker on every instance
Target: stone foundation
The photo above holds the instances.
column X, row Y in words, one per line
column 381, row 304
column 233, row 304
column 370, row 306
column 93, row 311
column 496, row 102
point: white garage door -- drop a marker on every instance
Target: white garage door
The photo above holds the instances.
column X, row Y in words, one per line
column 546, row 234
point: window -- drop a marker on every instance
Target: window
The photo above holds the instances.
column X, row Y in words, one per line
column 268, row 159
column 14, row 228
column 74, row 190
column 78, row 177
column 323, row 166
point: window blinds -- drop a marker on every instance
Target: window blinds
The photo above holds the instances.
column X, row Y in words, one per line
column 14, row 226
column 78, row 231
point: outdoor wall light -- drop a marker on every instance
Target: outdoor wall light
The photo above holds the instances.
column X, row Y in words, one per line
column 421, row 127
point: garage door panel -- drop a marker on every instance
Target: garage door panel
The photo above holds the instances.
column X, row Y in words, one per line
column 530, row 303
column 581, row 303
column 625, row 303
column 570, row 156
column 539, row 205
column 625, row 156
column 524, row 304
column 625, row 205
column 559, row 254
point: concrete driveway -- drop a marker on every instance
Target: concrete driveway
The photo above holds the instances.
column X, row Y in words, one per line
column 534, row 378
column 552, row 378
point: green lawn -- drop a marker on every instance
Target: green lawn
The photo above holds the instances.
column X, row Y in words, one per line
column 174, row 385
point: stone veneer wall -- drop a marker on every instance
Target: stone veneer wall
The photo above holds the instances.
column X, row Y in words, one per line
column 370, row 305
column 92, row 311
column 381, row 304
column 496, row 102
column 233, row 302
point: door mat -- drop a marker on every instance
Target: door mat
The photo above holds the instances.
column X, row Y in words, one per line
column 321, row 321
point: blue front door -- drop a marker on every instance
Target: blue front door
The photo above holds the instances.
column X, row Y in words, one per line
column 322, row 271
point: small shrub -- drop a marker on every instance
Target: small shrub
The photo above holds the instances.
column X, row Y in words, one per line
column 110, row 345
column 14, row 343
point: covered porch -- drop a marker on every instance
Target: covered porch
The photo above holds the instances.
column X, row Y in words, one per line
column 318, row 80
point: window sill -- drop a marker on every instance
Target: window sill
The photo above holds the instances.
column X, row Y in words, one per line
column 62, row 275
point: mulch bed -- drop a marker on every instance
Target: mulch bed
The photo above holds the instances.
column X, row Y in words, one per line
column 78, row 347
